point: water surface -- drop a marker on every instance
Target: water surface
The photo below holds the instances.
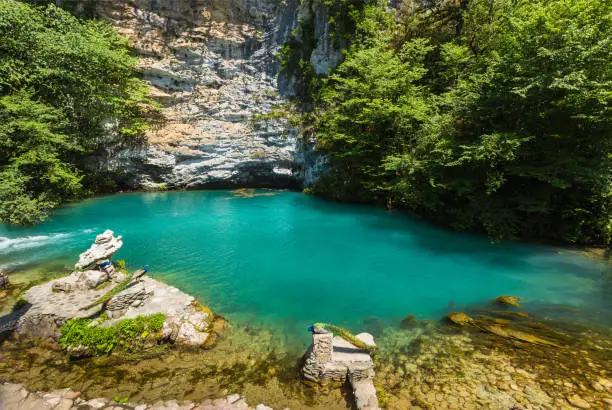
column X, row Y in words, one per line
column 285, row 260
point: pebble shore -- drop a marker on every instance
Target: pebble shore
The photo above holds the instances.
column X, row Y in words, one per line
column 17, row 397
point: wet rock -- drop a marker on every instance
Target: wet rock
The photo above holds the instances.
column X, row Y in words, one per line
column 579, row 402
column 460, row 318
column 408, row 322
column 508, row 300
column 606, row 384
column 4, row 280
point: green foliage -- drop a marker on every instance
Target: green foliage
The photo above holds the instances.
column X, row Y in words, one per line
column 296, row 52
column 67, row 87
column 121, row 265
column 346, row 335
column 487, row 115
column 129, row 335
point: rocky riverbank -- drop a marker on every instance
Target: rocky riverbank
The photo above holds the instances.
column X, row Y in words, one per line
column 17, row 397
column 105, row 298
column 499, row 357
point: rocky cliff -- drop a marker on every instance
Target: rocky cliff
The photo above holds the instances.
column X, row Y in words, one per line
column 214, row 68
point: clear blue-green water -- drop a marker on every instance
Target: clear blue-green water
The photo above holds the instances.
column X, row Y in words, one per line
column 287, row 260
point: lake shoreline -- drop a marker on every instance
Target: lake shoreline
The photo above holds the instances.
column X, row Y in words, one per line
column 509, row 372
column 497, row 363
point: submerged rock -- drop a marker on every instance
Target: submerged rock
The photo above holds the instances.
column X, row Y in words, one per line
column 579, row 402
column 509, row 300
column 4, row 280
column 408, row 322
column 460, row 318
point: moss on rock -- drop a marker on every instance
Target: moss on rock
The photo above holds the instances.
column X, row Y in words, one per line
column 82, row 337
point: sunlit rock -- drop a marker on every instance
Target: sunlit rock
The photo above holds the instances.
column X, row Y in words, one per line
column 333, row 359
column 509, row 300
column 105, row 246
column 460, row 318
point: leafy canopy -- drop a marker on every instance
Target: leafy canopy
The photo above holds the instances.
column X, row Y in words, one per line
column 487, row 115
column 67, row 90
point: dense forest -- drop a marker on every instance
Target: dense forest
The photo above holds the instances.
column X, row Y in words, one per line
column 67, row 90
column 482, row 115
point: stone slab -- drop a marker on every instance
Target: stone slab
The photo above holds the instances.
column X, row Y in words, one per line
column 346, row 352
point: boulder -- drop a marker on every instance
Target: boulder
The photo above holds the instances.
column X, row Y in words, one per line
column 187, row 322
column 509, row 300
column 104, row 247
column 188, row 334
column 54, row 302
column 90, row 279
column 93, row 278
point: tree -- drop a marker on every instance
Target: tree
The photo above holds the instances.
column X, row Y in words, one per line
column 61, row 80
column 501, row 126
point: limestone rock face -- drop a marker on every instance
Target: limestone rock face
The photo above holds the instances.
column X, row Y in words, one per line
column 214, row 68
column 105, row 246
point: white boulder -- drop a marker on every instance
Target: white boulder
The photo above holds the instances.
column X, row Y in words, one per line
column 104, row 247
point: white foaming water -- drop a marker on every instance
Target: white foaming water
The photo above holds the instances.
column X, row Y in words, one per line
column 15, row 244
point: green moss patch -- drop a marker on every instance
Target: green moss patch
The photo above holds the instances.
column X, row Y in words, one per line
column 348, row 336
column 129, row 335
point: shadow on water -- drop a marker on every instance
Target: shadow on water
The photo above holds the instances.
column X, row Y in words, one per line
column 437, row 240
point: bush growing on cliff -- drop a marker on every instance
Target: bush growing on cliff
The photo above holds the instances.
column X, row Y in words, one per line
column 487, row 115
column 67, row 89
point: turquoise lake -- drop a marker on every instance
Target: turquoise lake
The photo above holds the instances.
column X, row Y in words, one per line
column 286, row 260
